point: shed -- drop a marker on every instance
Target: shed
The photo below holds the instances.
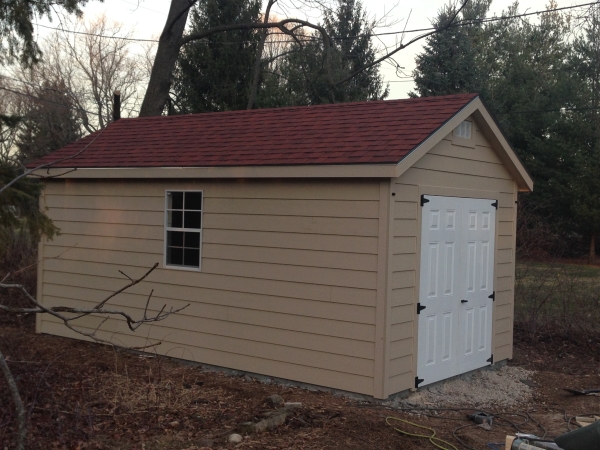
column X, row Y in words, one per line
column 367, row 247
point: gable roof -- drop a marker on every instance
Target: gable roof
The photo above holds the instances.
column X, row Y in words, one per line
column 370, row 134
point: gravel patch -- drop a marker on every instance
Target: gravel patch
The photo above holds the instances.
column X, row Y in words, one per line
column 504, row 387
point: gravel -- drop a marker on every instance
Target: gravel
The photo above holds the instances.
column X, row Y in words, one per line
column 486, row 388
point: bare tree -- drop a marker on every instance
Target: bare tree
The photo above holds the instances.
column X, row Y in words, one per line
column 172, row 39
column 92, row 64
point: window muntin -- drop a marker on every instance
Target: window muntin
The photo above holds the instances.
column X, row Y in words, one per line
column 463, row 130
column 183, row 229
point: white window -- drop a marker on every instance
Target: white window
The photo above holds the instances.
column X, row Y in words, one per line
column 463, row 130
column 183, row 229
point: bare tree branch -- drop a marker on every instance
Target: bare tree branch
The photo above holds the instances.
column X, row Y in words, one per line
column 402, row 46
column 60, row 311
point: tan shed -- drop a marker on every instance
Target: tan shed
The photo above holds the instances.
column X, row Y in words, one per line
column 367, row 247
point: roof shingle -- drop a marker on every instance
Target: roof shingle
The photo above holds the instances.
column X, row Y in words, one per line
column 379, row 132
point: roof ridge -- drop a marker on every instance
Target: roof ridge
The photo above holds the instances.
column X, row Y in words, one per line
column 313, row 107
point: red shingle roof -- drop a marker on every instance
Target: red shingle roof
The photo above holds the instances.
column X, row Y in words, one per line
column 379, row 132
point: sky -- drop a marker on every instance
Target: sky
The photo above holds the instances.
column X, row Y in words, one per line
column 147, row 17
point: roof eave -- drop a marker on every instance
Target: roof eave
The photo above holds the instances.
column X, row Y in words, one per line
column 291, row 171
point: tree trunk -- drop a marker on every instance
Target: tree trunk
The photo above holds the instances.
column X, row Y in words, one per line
column 167, row 52
column 592, row 255
column 14, row 392
column 258, row 61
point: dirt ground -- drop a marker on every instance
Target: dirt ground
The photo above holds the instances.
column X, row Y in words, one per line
column 81, row 395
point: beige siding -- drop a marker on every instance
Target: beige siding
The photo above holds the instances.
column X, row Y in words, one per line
column 453, row 170
column 288, row 285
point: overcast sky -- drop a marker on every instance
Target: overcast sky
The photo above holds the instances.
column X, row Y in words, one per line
column 148, row 18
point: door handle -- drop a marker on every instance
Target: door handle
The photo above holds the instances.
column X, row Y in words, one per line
column 464, row 301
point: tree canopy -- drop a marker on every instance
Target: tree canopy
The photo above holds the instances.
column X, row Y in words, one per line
column 16, row 26
column 215, row 74
column 543, row 89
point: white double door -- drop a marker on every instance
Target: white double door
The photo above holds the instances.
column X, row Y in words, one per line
column 456, row 286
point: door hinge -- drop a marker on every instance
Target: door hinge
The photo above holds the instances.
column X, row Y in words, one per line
column 493, row 296
column 491, row 359
column 420, row 308
column 424, row 200
column 495, row 204
column 418, row 381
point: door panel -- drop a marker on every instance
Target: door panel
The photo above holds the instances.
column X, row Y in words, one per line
column 456, row 280
column 439, row 278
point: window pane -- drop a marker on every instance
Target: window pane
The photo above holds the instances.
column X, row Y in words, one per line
column 175, row 219
column 175, row 238
column 193, row 200
column 192, row 240
column 175, row 256
column 191, row 257
column 175, row 200
column 192, row 219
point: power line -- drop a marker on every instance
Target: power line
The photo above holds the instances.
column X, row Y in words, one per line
column 590, row 108
column 97, row 35
column 390, row 33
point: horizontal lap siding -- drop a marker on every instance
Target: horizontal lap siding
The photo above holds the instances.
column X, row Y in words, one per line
column 288, row 282
column 479, row 172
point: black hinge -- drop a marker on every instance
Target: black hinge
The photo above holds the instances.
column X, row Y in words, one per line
column 420, row 308
column 493, row 296
column 491, row 359
column 418, row 381
column 495, row 204
column 424, row 200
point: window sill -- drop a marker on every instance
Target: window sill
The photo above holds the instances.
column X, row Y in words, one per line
column 184, row 268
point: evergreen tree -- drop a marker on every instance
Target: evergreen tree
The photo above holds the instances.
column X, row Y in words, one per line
column 17, row 37
column 216, row 74
column 584, row 122
column 300, row 79
column 521, row 69
column 50, row 123
column 452, row 61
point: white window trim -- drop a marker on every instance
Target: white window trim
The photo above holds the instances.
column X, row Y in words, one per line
column 194, row 230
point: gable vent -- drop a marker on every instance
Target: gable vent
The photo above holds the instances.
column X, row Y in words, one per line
column 463, row 130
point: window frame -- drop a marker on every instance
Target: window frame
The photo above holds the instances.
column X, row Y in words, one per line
column 167, row 228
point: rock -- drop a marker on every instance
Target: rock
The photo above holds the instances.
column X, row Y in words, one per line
column 292, row 405
column 248, row 378
column 271, row 421
column 275, row 401
column 235, row 438
column 174, row 424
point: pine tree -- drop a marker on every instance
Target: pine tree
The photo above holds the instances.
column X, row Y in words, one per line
column 51, row 122
column 451, row 61
column 301, row 78
column 585, row 122
column 216, row 74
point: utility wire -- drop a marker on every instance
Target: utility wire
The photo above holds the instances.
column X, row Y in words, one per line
column 309, row 38
column 553, row 110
